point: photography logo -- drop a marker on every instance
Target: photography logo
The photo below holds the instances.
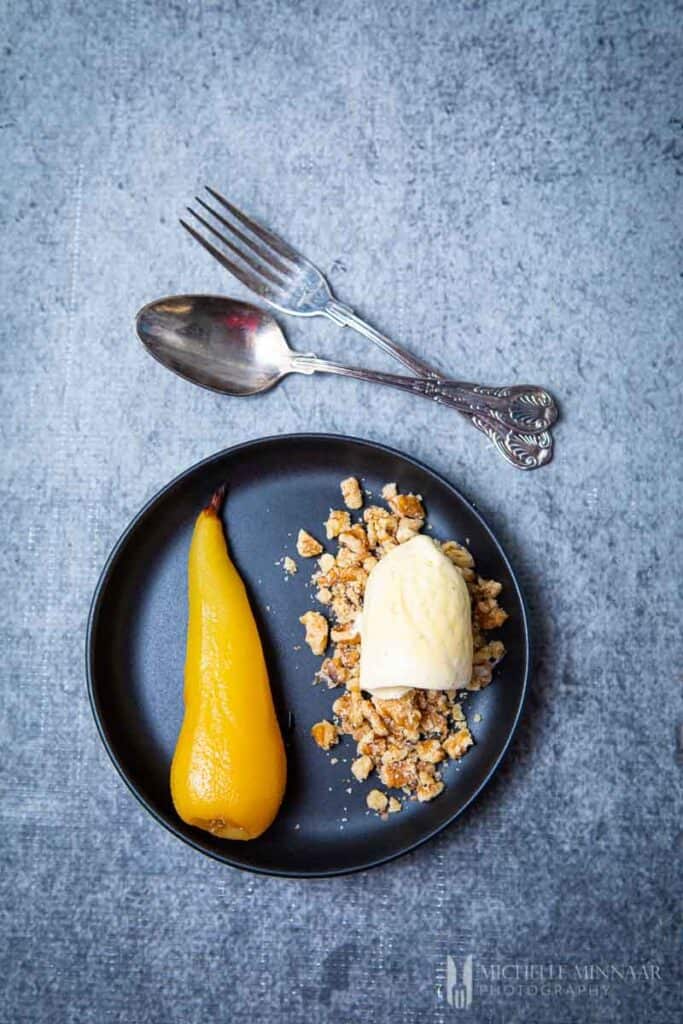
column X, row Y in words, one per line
column 459, row 983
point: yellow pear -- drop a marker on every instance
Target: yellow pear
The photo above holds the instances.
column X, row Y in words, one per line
column 229, row 768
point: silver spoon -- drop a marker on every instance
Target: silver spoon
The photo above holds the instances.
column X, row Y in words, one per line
column 238, row 349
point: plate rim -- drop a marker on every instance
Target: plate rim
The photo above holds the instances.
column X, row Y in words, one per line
column 103, row 580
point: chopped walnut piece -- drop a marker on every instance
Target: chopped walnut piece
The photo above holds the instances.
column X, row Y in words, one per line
column 355, row 539
column 403, row 716
column 348, row 654
column 409, row 505
column 347, row 634
column 389, row 491
column 307, row 546
column 351, row 493
column 369, row 563
column 408, row 528
column 491, row 652
column 430, row 750
column 289, row 565
column 326, row 562
column 488, row 588
column 429, row 789
column 362, row 767
column 323, row 595
column 394, row 753
column 376, row 800
column 317, row 630
column 457, row 743
column 394, row 805
column 380, row 525
column 489, row 614
column 459, row 555
column 399, row 774
column 349, row 711
column 325, row 734
column 338, row 520
column 331, row 673
column 372, row 745
column 344, row 610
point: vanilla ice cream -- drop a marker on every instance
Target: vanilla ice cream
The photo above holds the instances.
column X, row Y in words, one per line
column 416, row 626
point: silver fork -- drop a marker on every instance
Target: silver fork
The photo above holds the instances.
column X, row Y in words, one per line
column 515, row 418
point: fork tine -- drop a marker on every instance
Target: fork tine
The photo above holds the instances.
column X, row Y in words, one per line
column 279, row 244
column 259, row 267
column 266, row 254
column 248, row 280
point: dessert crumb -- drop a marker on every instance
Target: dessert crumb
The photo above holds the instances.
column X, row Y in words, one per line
column 307, row 545
column 351, row 493
column 376, row 800
column 325, row 734
column 317, row 631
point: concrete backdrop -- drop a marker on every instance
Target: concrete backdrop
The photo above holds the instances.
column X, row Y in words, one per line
column 497, row 184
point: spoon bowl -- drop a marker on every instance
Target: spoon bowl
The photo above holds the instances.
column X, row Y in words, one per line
column 221, row 344
column 238, row 349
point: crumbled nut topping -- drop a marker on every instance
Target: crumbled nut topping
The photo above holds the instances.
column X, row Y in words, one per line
column 376, row 800
column 409, row 505
column 307, row 546
column 326, row 562
column 325, row 734
column 338, row 520
column 317, row 630
column 351, row 493
column 362, row 767
column 289, row 565
column 406, row 740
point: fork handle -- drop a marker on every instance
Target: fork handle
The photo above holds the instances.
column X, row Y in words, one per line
column 344, row 316
column 523, row 449
column 524, row 408
column 527, row 408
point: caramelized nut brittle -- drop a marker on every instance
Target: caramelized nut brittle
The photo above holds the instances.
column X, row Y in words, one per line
column 458, row 742
column 307, row 545
column 351, row 493
column 376, row 800
column 317, row 630
column 381, row 525
column 458, row 555
column 325, row 734
column 408, row 505
column 404, row 739
column 338, row 520
column 362, row 767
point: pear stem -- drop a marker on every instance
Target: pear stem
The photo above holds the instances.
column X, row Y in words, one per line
column 217, row 499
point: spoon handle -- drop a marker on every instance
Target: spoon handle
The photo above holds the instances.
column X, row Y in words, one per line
column 526, row 409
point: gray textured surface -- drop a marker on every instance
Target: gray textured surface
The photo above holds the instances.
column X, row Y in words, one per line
column 497, row 184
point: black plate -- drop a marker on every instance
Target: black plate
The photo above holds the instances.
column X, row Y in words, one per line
column 136, row 648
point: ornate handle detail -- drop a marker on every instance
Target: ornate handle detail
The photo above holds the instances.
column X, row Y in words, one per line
column 525, row 451
column 516, row 419
column 526, row 408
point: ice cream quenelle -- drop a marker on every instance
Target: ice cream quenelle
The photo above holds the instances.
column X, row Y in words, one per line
column 416, row 626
